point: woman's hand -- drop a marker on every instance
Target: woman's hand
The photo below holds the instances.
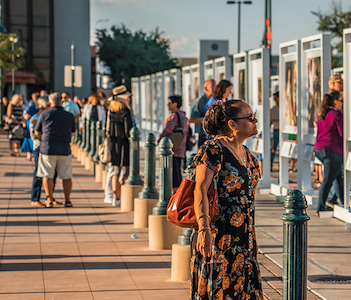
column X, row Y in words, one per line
column 204, row 242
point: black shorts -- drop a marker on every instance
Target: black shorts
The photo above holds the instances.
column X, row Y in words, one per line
column 177, row 171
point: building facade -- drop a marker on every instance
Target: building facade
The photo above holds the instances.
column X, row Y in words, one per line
column 46, row 30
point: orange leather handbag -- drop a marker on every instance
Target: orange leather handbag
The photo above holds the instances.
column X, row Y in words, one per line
column 180, row 209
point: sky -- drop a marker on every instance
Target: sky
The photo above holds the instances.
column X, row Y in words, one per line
column 185, row 22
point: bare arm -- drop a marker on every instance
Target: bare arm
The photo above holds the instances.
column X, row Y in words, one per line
column 203, row 178
column 196, row 120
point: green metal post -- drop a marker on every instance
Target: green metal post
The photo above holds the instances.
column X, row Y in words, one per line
column 84, row 136
column 295, row 246
column 87, row 133
column 98, row 140
column 75, row 137
column 166, row 168
column 92, row 139
column 79, row 135
column 102, row 136
column 184, row 238
column 149, row 190
column 134, row 160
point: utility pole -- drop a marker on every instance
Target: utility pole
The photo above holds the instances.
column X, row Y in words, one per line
column 239, row 16
column 72, row 68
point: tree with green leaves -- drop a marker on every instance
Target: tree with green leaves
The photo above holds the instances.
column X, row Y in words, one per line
column 7, row 63
column 132, row 54
column 335, row 22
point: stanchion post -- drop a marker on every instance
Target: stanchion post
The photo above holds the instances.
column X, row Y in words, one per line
column 295, row 246
column 184, row 238
column 87, row 134
column 83, row 143
column 149, row 190
column 92, row 139
column 98, row 140
column 134, row 177
column 166, row 168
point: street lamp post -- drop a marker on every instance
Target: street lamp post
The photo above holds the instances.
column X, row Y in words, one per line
column 14, row 41
column 96, row 22
column 239, row 16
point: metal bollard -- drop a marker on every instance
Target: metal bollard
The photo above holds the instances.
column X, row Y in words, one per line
column 99, row 140
column 295, row 246
column 87, row 133
column 92, row 139
column 1, row 111
column 166, row 168
column 134, row 166
column 149, row 191
column 75, row 137
column 184, row 238
column 83, row 143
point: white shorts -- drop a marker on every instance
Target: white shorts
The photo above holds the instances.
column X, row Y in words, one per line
column 47, row 164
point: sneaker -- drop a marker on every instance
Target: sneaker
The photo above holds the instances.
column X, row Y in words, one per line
column 116, row 203
column 108, row 200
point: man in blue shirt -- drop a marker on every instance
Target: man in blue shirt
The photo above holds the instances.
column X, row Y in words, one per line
column 199, row 110
column 55, row 126
column 69, row 106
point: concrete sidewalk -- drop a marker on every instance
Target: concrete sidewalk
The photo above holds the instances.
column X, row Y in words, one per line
column 87, row 252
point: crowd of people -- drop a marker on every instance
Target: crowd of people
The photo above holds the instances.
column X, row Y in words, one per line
column 224, row 250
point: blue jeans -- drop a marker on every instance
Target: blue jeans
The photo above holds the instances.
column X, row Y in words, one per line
column 37, row 181
column 332, row 162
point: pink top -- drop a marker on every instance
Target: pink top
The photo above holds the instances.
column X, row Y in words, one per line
column 330, row 132
column 172, row 124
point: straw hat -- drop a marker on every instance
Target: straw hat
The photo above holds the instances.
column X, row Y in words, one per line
column 120, row 92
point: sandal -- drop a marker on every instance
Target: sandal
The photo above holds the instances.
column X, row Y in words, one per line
column 37, row 203
column 49, row 205
column 54, row 202
column 68, row 204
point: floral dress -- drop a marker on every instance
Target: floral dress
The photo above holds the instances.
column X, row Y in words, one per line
column 232, row 271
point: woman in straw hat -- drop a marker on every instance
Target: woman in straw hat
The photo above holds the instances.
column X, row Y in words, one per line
column 118, row 125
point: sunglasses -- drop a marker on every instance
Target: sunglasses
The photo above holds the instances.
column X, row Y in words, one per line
column 340, row 100
column 251, row 118
column 338, row 81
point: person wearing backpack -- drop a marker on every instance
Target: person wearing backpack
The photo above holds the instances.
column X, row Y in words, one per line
column 177, row 124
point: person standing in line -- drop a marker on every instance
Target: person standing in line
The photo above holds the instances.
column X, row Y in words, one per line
column 199, row 110
column 15, row 117
column 335, row 84
column 177, row 120
column 224, row 250
column 93, row 111
column 275, row 123
column 329, row 147
column 69, row 106
column 220, row 93
column 42, row 105
column 118, row 126
column 55, row 128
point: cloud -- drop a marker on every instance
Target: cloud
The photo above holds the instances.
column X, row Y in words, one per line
column 182, row 46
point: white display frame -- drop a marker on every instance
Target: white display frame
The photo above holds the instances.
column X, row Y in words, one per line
column 222, row 66
column 167, row 91
column 208, row 70
column 195, row 73
column 288, row 52
column 343, row 213
column 176, row 85
column 160, row 103
column 259, row 66
column 186, row 88
column 306, row 136
column 274, row 89
column 136, row 106
column 240, row 62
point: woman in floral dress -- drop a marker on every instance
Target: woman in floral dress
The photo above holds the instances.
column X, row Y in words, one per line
column 224, row 251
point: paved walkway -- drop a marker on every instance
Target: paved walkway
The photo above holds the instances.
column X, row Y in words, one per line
column 87, row 252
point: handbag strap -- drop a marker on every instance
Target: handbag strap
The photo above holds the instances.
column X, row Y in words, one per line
column 179, row 124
